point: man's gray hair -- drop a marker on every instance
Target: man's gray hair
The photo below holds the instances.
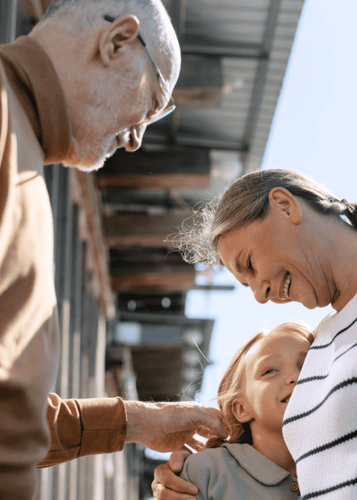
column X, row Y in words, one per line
column 89, row 14
column 92, row 11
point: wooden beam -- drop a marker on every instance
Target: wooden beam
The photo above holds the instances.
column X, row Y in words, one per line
column 156, row 281
column 147, row 181
column 84, row 194
column 158, row 384
column 145, row 395
column 170, row 168
column 141, row 230
column 130, row 240
column 173, row 160
column 200, row 82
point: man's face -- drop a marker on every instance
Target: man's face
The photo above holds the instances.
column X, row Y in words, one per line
column 118, row 99
column 114, row 117
column 112, row 79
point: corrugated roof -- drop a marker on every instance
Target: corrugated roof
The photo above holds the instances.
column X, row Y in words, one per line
column 261, row 34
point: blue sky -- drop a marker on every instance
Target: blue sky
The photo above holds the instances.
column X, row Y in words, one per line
column 313, row 132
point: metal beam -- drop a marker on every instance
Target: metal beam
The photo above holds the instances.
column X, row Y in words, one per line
column 240, row 50
column 260, row 76
column 215, row 288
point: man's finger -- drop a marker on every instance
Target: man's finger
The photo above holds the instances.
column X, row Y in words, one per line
column 204, row 432
column 165, row 476
column 162, row 493
column 196, row 444
column 213, row 421
column 177, row 459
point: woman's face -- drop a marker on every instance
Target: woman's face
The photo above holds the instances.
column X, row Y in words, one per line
column 275, row 258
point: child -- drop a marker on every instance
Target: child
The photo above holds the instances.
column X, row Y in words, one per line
column 254, row 462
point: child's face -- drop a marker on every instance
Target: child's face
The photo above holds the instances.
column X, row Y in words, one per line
column 272, row 367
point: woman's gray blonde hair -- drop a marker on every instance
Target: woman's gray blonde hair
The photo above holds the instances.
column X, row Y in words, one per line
column 246, row 200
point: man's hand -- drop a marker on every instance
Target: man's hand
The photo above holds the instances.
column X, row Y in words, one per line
column 168, row 486
column 167, row 427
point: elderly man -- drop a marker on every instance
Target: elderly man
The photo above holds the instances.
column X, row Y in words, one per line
column 82, row 84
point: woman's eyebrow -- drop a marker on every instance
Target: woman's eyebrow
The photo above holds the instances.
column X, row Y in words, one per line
column 237, row 264
column 238, row 268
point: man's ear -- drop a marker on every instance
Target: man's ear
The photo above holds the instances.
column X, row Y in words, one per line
column 123, row 31
column 240, row 412
column 281, row 200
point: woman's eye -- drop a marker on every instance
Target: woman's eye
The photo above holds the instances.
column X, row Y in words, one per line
column 249, row 264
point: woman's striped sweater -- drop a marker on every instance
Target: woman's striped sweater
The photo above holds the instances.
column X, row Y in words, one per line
column 320, row 423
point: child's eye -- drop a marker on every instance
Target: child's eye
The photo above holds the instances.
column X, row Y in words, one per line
column 249, row 264
column 270, row 370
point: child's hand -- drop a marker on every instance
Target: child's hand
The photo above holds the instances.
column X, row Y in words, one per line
column 168, row 486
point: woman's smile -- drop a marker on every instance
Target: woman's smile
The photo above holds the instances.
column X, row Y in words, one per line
column 286, row 287
column 269, row 255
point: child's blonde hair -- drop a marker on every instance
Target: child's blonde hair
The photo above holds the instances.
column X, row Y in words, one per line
column 232, row 385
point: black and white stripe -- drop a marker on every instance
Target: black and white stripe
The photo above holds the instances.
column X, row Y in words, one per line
column 337, row 387
column 337, row 489
column 320, row 425
column 322, row 377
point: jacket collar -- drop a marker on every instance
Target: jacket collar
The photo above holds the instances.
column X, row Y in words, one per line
column 37, row 86
column 257, row 465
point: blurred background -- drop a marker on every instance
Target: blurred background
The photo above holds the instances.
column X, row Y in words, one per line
column 264, row 83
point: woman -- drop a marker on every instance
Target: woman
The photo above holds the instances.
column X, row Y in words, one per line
column 288, row 239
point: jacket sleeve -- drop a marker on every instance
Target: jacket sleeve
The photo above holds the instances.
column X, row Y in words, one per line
column 24, row 438
column 82, row 427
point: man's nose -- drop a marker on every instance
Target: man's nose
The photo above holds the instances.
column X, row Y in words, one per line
column 136, row 137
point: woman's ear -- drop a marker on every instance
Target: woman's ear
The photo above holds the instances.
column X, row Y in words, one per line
column 241, row 412
column 123, row 31
column 281, row 200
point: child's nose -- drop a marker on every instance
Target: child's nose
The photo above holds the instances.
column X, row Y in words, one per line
column 292, row 377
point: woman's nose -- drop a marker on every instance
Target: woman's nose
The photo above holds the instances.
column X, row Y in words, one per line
column 261, row 292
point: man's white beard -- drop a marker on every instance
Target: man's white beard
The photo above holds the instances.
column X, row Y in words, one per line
column 89, row 156
column 90, row 152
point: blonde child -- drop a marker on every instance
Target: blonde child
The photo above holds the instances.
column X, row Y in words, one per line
column 254, row 462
